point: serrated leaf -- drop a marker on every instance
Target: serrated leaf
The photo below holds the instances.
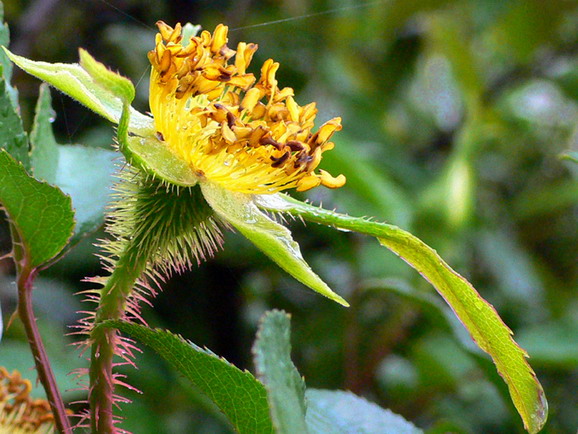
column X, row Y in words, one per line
column 84, row 173
column 12, row 135
column 285, row 387
column 339, row 412
column 478, row 316
column 77, row 83
column 40, row 214
column 239, row 395
column 272, row 238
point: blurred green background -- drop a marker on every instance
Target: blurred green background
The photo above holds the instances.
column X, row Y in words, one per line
column 455, row 115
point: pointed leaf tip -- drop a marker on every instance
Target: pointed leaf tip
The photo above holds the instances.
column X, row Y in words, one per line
column 269, row 236
column 479, row 317
column 117, row 84
column 77, row 83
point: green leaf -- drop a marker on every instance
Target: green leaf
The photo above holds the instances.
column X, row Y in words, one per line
column 5, row 64
column 239, row 395
column 77, row 83
column 117, row 84
column 41, row 216
column 12, row 135
column 285, row 387
column 84, row 173
column 339, row 412
column 272, row 238
column 479, row 317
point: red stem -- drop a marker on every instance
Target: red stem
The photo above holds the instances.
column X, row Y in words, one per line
column 25, row 310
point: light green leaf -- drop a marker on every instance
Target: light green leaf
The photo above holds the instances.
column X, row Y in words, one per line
column 120, row 86
column 239, row 395
column 77, row 83
column 479, row 317
column 272, row 238
column 82, row 172
column 339, row 412
column 41, row 216
column 285, row 387
column 12, row 135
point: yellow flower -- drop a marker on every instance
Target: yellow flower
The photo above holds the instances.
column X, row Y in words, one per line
column 247, row 137
column 19, row 413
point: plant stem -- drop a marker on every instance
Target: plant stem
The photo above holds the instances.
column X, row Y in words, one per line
column 25, row 310
column 114, row 296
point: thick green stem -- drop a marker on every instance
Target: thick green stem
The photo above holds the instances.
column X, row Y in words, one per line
column 114, row 296
column 25, row 311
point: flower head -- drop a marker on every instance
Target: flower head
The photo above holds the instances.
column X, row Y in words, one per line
column 19, row 413
column 248, row 136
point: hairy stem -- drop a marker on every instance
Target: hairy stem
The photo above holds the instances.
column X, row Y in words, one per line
column 25, row 279
column 114, row 296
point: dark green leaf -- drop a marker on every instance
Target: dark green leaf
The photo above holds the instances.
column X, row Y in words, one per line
column 285, row 387
column 84, row 173
column 41, row 215
column 339, row 412
column 239, row 395
column 12, row 135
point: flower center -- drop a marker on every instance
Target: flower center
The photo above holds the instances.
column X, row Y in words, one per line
column 250, row 137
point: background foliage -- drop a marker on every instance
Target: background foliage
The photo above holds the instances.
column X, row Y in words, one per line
column 455, row 115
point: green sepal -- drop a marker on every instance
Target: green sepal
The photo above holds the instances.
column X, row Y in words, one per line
column 77, row 82
column 480, row 318
column 155, row 158
column 41, row 216
column 269, row 236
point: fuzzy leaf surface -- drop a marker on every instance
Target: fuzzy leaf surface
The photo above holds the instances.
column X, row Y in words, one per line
column 239, row 395
column 269, row 236
column 340, row 412
column 40, row 214
column 285, row 387
column 478, row 316
column 84, row 173
column 77, row 83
